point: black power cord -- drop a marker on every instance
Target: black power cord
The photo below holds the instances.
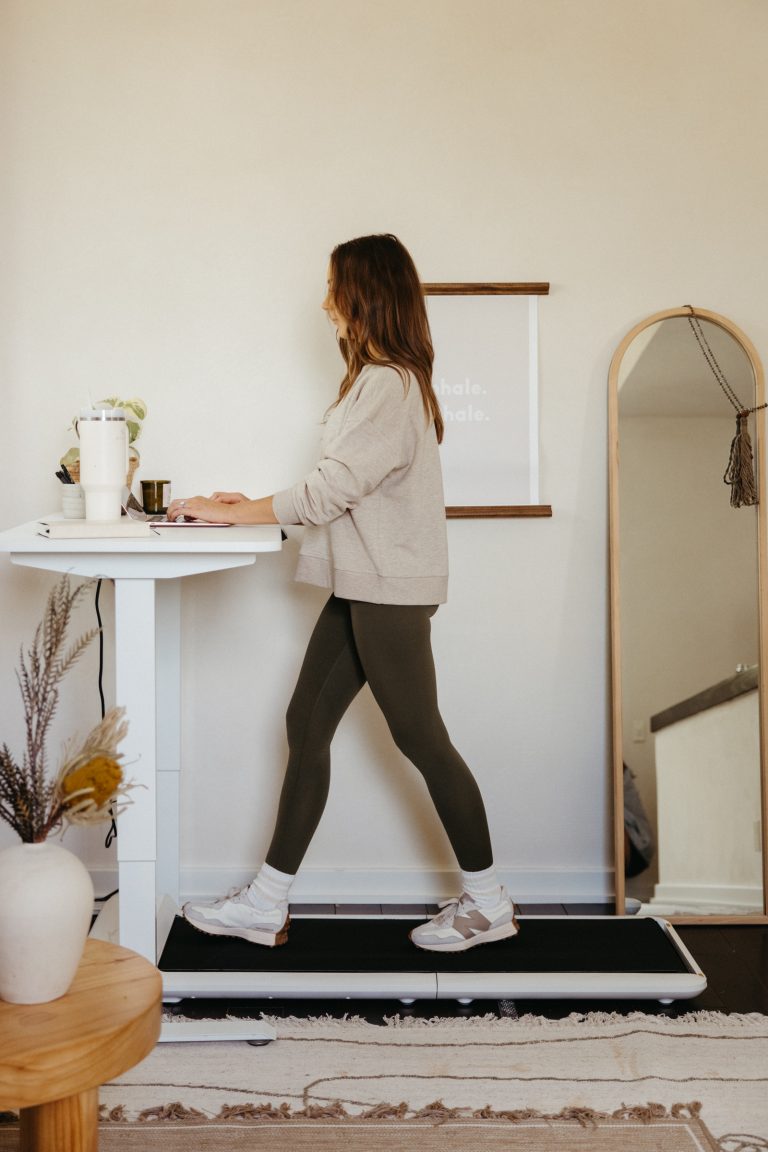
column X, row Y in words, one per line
column 112, row 831
column 101, row 650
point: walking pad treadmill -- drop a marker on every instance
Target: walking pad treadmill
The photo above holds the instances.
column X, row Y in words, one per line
column 552, row 957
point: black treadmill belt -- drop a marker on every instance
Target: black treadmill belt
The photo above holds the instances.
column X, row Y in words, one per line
column 335, row 944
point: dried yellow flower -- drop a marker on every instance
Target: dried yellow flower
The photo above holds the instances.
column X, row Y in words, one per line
column 97, row 781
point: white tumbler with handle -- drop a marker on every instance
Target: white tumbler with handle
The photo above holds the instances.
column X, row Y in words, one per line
column 103, row 436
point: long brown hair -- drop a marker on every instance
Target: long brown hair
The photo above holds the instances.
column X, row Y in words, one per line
column 376, row 289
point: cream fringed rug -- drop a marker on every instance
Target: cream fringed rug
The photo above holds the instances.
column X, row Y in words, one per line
column 601, row 1083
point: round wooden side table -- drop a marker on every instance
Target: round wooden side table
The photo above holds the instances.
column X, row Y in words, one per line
column 54, row 1056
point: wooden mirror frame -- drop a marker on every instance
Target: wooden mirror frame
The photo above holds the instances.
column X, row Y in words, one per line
column 615, row 613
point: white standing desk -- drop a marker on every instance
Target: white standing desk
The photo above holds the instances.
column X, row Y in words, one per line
column 147, row 574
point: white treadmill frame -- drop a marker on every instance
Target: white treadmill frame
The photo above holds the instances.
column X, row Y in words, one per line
column 437, row 985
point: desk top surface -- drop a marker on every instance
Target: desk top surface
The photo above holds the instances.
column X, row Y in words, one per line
column 245, row 539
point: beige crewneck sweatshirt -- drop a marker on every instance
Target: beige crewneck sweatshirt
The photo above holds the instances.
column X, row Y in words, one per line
column 373, row 505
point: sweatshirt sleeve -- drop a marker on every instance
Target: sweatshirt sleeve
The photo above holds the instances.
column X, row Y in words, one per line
column 379, row 435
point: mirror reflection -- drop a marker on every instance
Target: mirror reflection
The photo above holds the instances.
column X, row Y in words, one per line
column 686, row 586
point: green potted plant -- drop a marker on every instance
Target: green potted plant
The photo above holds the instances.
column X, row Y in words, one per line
column 135, row 414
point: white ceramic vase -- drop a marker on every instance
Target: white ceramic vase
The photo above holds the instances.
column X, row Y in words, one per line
column 46, row 903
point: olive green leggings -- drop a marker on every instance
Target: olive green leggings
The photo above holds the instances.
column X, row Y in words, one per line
column 387, row 646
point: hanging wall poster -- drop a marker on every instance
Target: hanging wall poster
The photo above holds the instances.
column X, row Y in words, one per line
column 485, row 377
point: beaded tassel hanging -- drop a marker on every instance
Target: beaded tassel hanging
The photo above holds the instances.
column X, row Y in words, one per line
column 740, row 473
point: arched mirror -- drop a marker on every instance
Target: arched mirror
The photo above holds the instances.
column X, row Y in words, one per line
column 688, row 572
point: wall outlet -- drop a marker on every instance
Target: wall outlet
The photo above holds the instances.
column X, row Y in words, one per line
column 639, row 731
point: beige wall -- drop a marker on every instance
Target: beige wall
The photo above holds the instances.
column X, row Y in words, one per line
column 178, row 172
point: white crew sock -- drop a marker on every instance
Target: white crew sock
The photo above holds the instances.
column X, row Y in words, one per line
column 484, row 888
column 269, row 888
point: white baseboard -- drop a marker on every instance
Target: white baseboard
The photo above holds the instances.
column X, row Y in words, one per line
column 405, row 886
column 105, row 881
column 707, row 898
column 393, row 885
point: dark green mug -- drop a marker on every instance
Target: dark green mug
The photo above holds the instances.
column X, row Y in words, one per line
column 155, row 496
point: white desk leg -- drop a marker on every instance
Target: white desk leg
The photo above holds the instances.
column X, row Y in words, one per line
column 135, row 689
column 168, row 639
column 147, row 683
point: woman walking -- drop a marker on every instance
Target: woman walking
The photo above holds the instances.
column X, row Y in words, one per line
column 376, row 537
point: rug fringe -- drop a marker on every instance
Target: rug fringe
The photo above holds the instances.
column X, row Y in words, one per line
column 293, row 1021
column 435, row 1113
column 174, row 1111
column 254, row 1112
column 739, row 1020
column 490, row 1019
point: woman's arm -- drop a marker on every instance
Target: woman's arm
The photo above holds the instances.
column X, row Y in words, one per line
column 224, row 508
column 379, row 436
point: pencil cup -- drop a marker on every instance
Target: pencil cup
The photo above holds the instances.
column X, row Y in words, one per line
column 73, row 502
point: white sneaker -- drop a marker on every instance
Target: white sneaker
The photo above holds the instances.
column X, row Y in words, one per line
column 462, row 924
column 235, row 915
